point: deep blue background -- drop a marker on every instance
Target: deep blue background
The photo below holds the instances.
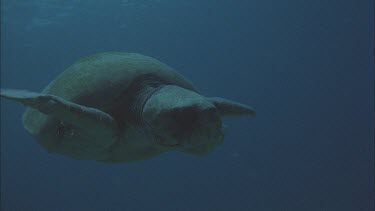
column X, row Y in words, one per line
column 306, row 66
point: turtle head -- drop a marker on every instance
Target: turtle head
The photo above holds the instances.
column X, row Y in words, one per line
column 183, row 120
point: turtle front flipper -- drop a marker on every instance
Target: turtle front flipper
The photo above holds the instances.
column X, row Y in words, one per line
column 95, row 122
column 231, row 108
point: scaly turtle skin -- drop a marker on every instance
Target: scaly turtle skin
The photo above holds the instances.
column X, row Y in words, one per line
column 122, row 107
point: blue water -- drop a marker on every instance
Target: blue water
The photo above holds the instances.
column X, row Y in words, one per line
column 305, row 66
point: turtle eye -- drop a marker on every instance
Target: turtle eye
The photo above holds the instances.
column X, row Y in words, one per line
column 60, row 130
column 184, row 120
column 189, row 118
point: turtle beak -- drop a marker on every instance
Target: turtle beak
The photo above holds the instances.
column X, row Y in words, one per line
column 207, row 129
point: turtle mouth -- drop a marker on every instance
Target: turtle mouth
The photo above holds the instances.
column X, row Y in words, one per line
column 162, row 142
column 158, row 139
column 186, row 143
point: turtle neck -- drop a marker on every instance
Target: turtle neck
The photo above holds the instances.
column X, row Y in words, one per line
column 129, row 110
column 142, row 91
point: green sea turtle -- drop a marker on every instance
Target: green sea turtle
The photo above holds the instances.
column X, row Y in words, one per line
column 122, row 107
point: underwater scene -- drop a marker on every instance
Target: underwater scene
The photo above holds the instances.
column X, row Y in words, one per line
column 210, row 105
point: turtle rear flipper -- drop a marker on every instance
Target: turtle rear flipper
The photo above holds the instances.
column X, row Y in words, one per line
column 100, row 125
